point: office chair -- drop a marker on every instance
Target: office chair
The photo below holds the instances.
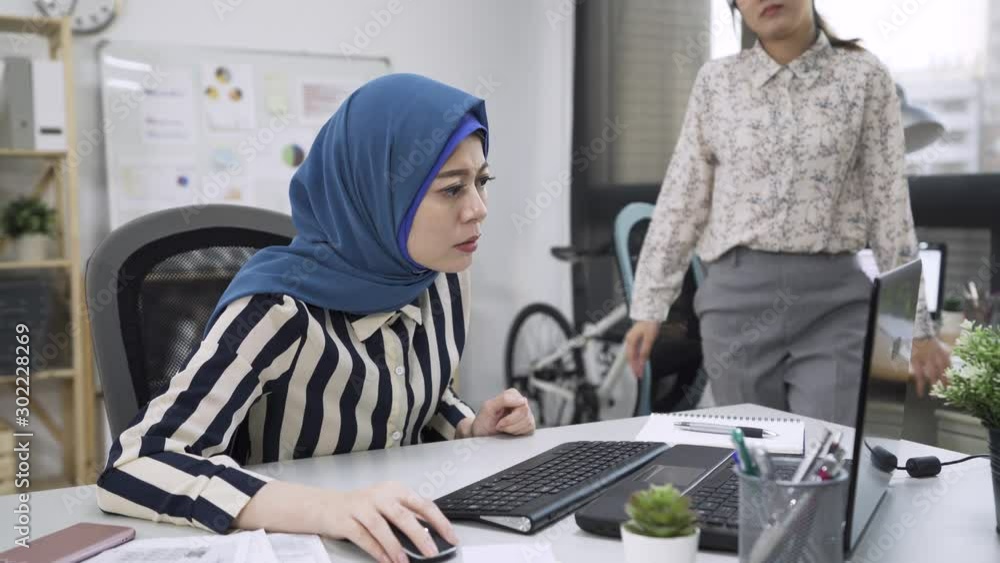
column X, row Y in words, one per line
column 151, row 287
column 680, row 357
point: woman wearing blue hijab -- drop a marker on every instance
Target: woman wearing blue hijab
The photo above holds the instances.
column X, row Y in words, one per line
column 346, row 339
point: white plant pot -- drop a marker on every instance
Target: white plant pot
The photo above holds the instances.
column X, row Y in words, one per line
column 644, row 549
column 31, row 248
column 951, row 322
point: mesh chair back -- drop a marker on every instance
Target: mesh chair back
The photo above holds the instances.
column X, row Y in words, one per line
column 167, row 271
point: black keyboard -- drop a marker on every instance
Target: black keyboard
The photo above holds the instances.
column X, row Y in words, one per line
column 543, row 489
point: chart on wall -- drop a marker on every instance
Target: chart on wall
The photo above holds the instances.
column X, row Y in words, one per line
column 193, row 126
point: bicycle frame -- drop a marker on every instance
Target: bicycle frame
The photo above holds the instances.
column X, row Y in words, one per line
column 590, row 332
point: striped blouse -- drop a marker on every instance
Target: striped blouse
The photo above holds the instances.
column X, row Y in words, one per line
column 275, row 379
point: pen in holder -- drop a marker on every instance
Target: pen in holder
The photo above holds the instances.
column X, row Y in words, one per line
column 786, row 522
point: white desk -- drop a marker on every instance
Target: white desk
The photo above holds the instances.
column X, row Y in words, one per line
column 948, row 518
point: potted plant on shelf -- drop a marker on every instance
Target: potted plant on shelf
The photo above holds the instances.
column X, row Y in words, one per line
column 661, row 527
column 974, row 386
column 30, row 222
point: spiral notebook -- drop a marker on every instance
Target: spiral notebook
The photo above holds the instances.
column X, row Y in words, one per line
column 789, row 440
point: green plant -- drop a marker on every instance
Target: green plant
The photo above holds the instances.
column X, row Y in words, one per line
column 974, row 386
column 953, row 303
column 28, row 215
column 660, row 512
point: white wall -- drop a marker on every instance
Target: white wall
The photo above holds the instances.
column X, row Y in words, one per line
column 523, row 47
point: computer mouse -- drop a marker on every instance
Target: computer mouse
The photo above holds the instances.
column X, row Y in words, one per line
column 445, row 549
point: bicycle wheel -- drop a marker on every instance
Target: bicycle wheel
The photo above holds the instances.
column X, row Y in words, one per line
column 537, row 331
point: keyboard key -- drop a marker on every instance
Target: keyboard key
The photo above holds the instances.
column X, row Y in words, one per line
column 725, row 511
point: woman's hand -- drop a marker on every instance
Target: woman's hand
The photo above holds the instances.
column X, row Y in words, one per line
column 507, row 413
column 363, row 517
column 638, row 344
column 928, row 362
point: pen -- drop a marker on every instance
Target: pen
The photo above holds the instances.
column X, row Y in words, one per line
column 832, row 467
column 838, row 453
column 836, row 443
column 749, row 467
column 810, row 458
column 821, row 457
column 748, row 431
column 827, row 468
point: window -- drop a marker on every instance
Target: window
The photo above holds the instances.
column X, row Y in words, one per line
column 948, row 62
column 642, row 56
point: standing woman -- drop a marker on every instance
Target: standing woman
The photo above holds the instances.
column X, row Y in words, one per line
column 347, row 339
column 789, row 162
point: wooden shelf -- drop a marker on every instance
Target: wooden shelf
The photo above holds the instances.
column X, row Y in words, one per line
column 17, row 265
column 24, row 153
column 37, row 25
column 65, row 373
column 74, row 429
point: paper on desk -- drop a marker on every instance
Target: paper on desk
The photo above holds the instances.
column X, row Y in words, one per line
column 508, row 553
column 790, row 431
column 252, row 547
column 296, row 548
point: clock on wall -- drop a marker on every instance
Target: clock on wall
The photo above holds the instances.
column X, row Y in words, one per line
column 86, row 16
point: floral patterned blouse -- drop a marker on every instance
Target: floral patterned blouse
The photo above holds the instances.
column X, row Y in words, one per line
column 806, row 157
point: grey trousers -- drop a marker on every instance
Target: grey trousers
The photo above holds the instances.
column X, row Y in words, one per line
column 785, row 331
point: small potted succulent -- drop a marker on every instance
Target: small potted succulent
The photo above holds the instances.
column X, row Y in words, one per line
column 974, row 387
column 661, row 527
column 952, row 315
column 30, row 222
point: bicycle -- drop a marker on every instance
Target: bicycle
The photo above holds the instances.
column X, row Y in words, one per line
column 573, row 378
column 544, row 360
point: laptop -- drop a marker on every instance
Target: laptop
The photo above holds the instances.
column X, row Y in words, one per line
column 933, row 256
column 706, row 475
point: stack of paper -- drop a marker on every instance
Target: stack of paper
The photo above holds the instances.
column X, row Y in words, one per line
column 252, row 547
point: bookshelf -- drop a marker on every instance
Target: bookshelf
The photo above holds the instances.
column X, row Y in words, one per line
column 74, row 383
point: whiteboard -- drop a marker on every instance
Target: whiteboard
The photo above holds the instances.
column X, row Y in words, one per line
column 187, row 125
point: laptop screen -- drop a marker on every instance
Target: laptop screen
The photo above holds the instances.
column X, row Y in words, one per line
column 932, row 259
column 884, row 376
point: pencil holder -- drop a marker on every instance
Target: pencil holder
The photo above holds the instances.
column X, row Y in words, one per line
column 784, row 522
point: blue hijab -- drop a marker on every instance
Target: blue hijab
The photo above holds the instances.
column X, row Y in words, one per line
column 355, row 195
